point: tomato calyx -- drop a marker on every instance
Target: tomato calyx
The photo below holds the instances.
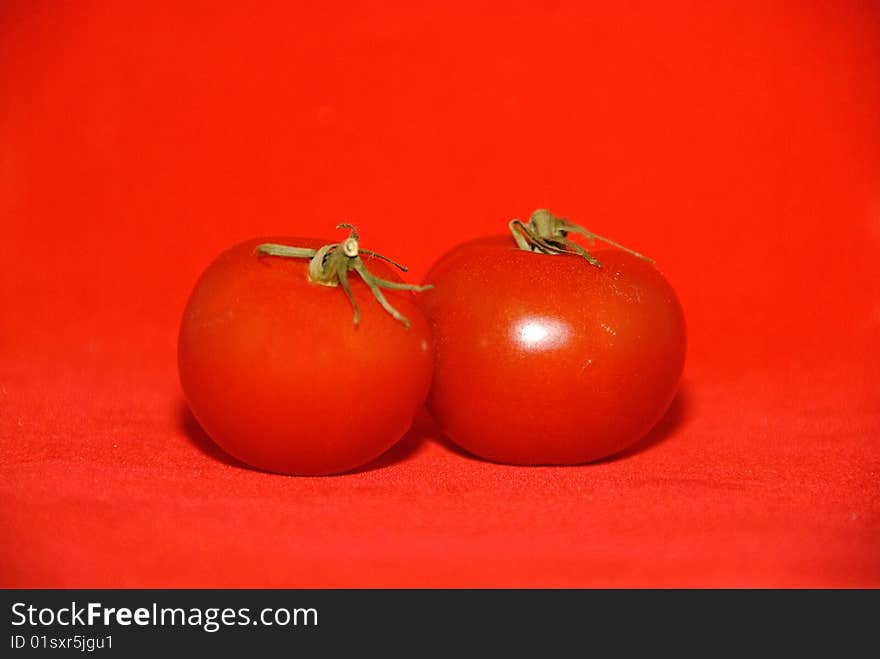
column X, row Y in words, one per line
column 545, row 233
column 330, row 265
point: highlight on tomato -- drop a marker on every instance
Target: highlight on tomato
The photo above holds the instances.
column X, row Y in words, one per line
column 547, row 352
column 304, row 358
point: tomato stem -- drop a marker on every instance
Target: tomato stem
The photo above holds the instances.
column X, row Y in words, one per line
column 547, row 234
column 330, row 265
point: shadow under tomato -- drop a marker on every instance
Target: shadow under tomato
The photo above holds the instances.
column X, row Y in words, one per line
column 406, row 448
column 402, row 450
column 199, row 438
column 677, row 413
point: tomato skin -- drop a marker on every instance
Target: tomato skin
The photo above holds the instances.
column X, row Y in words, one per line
column 277, row 374
column 544, row 359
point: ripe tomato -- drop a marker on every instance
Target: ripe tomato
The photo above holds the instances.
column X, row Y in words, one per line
column 278, row 374
column 548, row 359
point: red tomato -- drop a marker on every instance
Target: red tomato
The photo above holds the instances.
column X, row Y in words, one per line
column 547, row 359
column 279, row 376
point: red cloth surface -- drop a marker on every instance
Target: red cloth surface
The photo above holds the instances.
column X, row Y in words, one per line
column 738, row 143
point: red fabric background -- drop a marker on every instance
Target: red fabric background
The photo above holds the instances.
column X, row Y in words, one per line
column 738, row 143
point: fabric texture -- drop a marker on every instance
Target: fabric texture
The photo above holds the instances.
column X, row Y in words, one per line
column 738, row 144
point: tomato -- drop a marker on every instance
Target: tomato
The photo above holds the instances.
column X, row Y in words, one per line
column 278, row 374
column 549, row 358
